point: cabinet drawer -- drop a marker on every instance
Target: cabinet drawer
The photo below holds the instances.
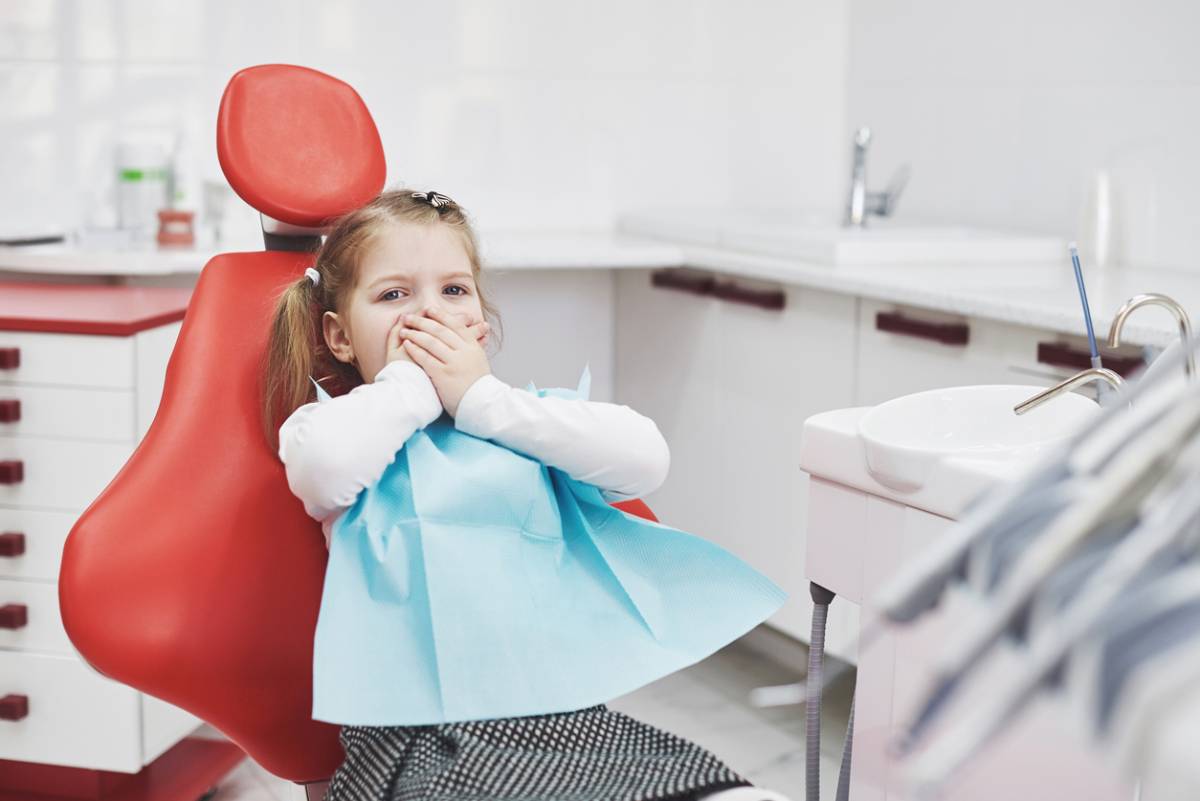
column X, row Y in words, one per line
column 74, row 360
column 60, row 473
column 40, row 534
column 43, row 629
column 76, row 717
column 905, row 350
column 68, row 413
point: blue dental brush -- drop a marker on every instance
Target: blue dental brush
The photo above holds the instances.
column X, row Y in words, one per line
column 1087, row 312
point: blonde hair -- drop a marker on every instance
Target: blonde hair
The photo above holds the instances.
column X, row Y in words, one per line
column 296, row 346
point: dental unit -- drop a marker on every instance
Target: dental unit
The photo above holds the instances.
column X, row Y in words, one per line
column 1051, row 555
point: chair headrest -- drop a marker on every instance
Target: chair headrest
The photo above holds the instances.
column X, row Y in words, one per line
column 298, row 145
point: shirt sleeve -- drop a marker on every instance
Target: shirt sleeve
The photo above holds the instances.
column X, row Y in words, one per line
column 608, row 445
column 333, row 450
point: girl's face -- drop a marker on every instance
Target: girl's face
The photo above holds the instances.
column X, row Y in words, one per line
column 408, row 269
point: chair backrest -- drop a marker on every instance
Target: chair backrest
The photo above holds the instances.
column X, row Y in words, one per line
column 196, row 575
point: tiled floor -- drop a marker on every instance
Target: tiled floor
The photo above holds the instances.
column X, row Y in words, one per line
column 707, row 703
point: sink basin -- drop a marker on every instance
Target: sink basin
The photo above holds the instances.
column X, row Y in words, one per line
column 907, row 437
column 817, row 238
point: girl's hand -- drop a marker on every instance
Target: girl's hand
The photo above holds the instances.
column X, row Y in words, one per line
column 449, row 351
column 395, row 343
column 395, row 340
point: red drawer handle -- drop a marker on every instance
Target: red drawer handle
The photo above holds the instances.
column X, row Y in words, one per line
column 14, row 707
column 10, row 358
column 12, row 471
column 10, row 410
column 14, row 616
column 946, row 333
column 764, row 298
column 12, row 543
column 1060, row 354
column 697, row 283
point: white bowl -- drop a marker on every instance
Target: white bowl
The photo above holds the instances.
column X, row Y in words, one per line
column 906, row 437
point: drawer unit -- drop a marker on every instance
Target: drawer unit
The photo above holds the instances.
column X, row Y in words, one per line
column 30, row 619
column 74, row 716
column 31, row 542
column 71, row 360
column 67, row 413
column 73, row 407
column 57, row 473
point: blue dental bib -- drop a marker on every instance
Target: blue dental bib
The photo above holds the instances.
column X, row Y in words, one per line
column 473, row 582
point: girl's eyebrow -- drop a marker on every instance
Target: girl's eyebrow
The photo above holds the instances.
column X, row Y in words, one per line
column 460, row 274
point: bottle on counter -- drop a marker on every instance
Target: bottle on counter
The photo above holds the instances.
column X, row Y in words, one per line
column 176, row 224
column 142, row 174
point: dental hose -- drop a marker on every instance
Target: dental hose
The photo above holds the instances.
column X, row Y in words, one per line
column 812, row 712
column 843, row 785
column 814, row 687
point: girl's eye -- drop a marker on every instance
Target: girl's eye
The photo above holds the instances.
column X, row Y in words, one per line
column 452, row 286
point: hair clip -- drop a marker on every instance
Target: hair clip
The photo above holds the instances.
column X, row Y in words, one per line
column 435, row 199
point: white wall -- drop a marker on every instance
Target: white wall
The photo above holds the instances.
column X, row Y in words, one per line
column 529, row 112
column 1005, row 109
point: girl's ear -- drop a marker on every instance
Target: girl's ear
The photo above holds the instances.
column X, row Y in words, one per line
column 337, row 339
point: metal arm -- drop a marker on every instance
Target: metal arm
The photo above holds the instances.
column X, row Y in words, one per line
column 1090, row 374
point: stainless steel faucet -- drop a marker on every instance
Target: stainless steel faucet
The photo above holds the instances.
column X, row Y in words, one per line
column 1080, row 378
column 862, row 203
column 1155, row 299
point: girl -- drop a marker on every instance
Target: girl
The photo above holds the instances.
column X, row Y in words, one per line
column 392, row 316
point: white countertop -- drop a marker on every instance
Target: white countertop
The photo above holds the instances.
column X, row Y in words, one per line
column 1036, row 295
column 1040, row 295
column 502, row 250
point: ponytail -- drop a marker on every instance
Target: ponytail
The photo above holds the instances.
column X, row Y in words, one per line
column 290, row 356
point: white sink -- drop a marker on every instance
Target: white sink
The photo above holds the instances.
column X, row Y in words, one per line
column 818, row 238
column 906, row 438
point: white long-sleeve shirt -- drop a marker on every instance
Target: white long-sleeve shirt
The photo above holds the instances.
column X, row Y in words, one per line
column 335, row 449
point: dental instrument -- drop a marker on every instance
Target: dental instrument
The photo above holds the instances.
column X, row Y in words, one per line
column 1092, row 606
column 1087, row 312
column 1123, row 482
column 1157, row 620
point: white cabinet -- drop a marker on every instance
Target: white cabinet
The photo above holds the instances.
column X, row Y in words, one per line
column 666, row 368
column 84, row 403
column 730, row 384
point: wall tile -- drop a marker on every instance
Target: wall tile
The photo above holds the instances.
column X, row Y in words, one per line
column 29, row 29
column 1006, row 112
column 536, row 113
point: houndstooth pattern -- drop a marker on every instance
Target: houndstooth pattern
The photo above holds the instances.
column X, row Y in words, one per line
column 593, row 754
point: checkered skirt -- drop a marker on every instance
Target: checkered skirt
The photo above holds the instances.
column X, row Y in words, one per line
column 592, row 754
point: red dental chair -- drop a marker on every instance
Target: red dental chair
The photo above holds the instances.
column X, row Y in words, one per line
column 196, row 575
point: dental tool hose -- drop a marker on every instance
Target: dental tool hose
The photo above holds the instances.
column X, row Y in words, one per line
column 815, row 688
